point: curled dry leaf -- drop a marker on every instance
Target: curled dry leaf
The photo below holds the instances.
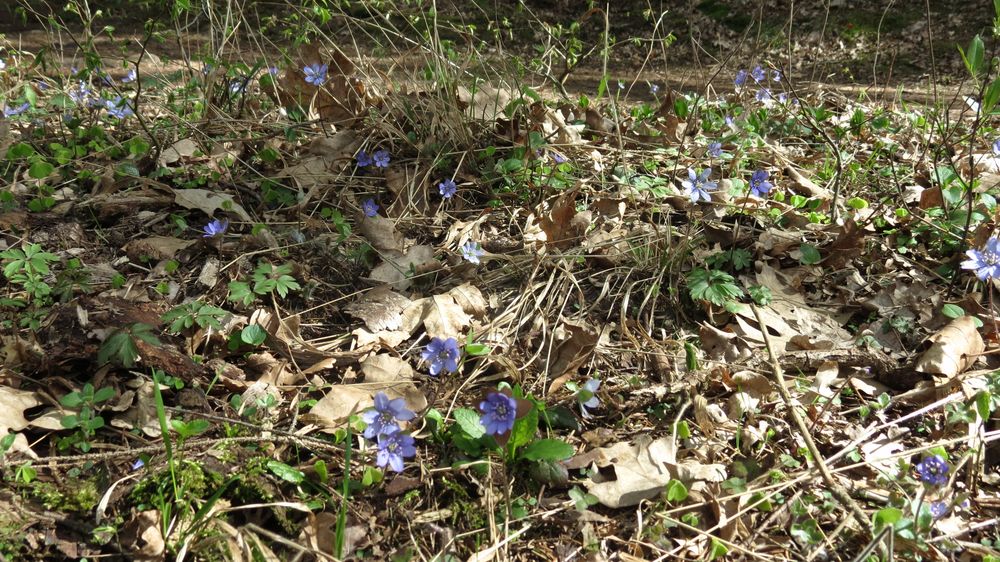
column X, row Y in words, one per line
column 951, row 350
column 395, row 269
column 208, row 202
column 380, row 309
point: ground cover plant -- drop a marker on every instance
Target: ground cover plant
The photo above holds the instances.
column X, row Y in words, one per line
column 379, row 280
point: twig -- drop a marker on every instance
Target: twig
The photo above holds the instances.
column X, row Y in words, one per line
column 835, row 488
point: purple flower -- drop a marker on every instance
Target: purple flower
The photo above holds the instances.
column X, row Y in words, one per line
column 130, row 77
column 730, row 122
column 758, row 73
column 370, row 207
column 393, row 446
column 472, row 251
column 996, row 147
column 654, row 89
column 442, row 355
column 741, row 77
column 381, row 158
column 558, row 158
column 42, row 85
column 237, row 85
column 782, row 98
column 776, row 75
column 118, row 108
column 316, row 73
column 499, row 412
column 273, row 70
column 447, row 188
column 985, row 262
column 80, row 93
column 587, row 396
column 12, row 111
column 215, row 228
column 933, row 471
column 139, row 463
column 715, row 149
column 363, row 159
column 697, row 185
column 383, row 417
column 938, row 509
column 763, row 94
column 759, row 185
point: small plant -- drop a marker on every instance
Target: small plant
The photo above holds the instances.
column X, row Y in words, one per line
column 27, row 266
column 714, row 286
column 86, row 421
column 185, row 316
column 267, row 279
column 121, row 347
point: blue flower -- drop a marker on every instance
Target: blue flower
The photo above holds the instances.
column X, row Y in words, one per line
column 118, row 108
column 933, row 471
column 759, row 185
column 499, row 413
column 782, row 98
column 363, row 159
column 938, row 509
column 985, row 262
column 383, row 417
column 273, row 70
column 697, row 185
column 370, row 207
column 12, row 111
column 996, row 147
column 130, row 77
column 393, row 446
column 381, row 158
column 237, row 85
column 139, row 463
column 442, row 355
column 447, row 188
column 715, row 149
column 654, row 89
column 215, row 228
column 758, row 73
column 741, row 77
column 558, row 158
column 776, row 75
column 587, row 396
column 42, row 85
column 763, row 94
column 472, row 251
column 730, row 122
column 316, row 73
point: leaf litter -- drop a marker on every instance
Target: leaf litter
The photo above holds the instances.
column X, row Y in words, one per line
column 625, row 332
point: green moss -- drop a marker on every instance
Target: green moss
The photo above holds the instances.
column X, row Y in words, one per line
column 75, row 496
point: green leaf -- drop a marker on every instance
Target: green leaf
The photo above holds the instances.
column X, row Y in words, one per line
column 40, row 169
column 810, row 255
column 285, row 472
column 20, row 150
column 952, row 311
column 253, row 335
column 676, row 491
column 7, row 442
column 886, row 516
column 991, row 97
column 561, row 417
column 321, row 472
column 523, row 432
column 548, row 450
column 718, row 550
column 468, row 421
column 549, row 473
column 103, row 395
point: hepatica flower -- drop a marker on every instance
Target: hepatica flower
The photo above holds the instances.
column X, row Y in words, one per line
column 763, row 94
column 758, row 74
column 442, row 355
column 759, row 185
column 985, row 262
column 447, row 188
column 215, row 228
column 776, row 75
column 381, row 158
column 933, row 471
column 499, row 412
column 363, row 159
column 316, row 73
column 996, row 147
column 938, row 509
column 587, row 396
column 393, row 447
column 118, row 108
column 80, row 93
column 383, row 417
column 472, row 251
column 697, row 185
column 370, row 207
column 715, row 149
column 130, row 77
column 12, row 111
column 741, row 77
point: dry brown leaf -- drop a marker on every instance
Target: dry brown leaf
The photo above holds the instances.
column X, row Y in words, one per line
column 804, row 186
column 157, row 247
column 332, row 411
column 381, row 233
column 182, row 149
column 386, row 368
column 576, row 343
column 380, row 309
column 952, row 349
column 395, row 269
column 208, row 202
column 485, row 103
